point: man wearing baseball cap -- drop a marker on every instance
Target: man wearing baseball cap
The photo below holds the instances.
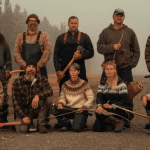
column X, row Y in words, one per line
column 118, row 42
column 33, row 45
column 31, row 98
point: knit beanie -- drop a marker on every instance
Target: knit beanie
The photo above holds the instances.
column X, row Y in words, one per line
column 33, row 16
column 30, row 62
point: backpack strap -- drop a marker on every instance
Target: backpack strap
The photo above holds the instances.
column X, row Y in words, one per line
column 38, row 37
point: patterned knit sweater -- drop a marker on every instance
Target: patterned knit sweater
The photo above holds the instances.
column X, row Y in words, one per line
column 107, row 95
column 76, row 94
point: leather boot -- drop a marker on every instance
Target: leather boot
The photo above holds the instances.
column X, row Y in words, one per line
column 118, row 124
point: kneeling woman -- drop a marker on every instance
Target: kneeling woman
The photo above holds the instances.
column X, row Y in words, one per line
column 114, row 91
column 76, row 96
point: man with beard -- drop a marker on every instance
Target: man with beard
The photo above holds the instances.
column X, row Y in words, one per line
column 33, row 45
column 66, row 48
column 118, row 42
column 31, row 99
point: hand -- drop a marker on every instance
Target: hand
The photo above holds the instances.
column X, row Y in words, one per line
column 59, row 74
column 99, row 110
column 7, row 75
column 144, row 101
column 26, row 120
column 35, row 102
column 80, row 110
column 60, row 106
column 107, row 106
column 117, row 46
column 77, row 55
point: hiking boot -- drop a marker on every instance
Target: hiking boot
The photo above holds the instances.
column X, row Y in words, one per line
column 147, row 126
column 32, row 128
column 63, row 129
column 118, row 124
column 42, row 129
column 127, row 124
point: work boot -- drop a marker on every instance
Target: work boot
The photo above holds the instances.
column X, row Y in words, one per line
column 42, row 129
column 118, row 124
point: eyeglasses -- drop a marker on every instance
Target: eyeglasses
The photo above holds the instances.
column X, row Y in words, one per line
column 32, row 21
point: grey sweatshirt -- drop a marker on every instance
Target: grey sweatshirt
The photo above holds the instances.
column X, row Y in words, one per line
column 109, row 36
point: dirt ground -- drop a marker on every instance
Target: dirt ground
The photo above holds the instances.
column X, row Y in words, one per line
column 131, row 139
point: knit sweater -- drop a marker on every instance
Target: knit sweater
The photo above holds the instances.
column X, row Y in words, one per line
column 107, row 95
column 129, row 52
column 76, row 94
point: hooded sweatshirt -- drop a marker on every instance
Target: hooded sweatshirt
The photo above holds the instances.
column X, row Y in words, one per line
column 129, row 52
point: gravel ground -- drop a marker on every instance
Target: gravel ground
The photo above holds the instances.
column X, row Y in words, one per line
column 131, row 139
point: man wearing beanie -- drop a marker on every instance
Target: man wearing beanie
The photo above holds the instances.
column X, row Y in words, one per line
column 33, row 45
column 31, row 99
column 119, row 42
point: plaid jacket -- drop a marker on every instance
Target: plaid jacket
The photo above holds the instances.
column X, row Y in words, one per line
column 44, row 42
column 23, row 94
column 147, row 53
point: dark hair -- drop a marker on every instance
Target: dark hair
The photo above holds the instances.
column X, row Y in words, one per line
column 75, row 66
column 3, row 41
column 72, row 17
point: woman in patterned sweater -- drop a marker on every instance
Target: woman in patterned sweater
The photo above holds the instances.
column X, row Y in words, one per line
column 114, row 91
column 76, row 95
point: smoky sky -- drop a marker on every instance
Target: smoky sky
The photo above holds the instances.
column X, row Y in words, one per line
column 94, row 16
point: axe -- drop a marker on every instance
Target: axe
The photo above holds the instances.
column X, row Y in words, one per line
column 82, row 51
column 10, row 124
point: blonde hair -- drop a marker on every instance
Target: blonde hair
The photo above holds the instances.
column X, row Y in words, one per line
column 110, row 63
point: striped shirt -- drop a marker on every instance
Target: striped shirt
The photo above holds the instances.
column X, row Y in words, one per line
column 147, row 53
column 44, row 42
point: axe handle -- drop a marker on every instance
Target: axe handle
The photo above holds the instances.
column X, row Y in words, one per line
column 10, row 124
column 15, row 71
column 64, row 71
column 133, row 112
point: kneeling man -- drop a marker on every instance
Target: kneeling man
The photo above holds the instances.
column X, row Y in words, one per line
column 31, row 98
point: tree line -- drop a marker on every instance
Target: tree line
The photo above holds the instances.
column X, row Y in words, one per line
column 13, row 23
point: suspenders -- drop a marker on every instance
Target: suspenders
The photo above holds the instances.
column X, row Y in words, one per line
column 37, row 40
column 78, row 39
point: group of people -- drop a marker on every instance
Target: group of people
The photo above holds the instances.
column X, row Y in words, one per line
column 31, row 91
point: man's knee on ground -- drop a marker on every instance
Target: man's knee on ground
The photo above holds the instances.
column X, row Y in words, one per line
column 77, row 127
column 22, row 128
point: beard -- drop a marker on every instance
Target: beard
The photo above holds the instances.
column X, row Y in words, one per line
column 32, row 27
column 30, row 76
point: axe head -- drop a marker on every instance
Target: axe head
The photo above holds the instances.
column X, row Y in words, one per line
column 82, row 50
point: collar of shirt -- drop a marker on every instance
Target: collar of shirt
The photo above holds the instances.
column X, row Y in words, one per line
column 73, row 33
column 32, row 33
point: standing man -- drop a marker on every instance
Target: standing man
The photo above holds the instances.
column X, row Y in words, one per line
column 66, row 48
column 31, row 98
column 33, row 45
column 120, row 40
column 5, row 68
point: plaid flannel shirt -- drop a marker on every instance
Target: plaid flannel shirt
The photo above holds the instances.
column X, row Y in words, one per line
column 23, row 94
column 44, row 42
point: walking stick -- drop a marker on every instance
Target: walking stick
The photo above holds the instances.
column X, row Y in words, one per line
column 110, row 113
column 131, row 111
